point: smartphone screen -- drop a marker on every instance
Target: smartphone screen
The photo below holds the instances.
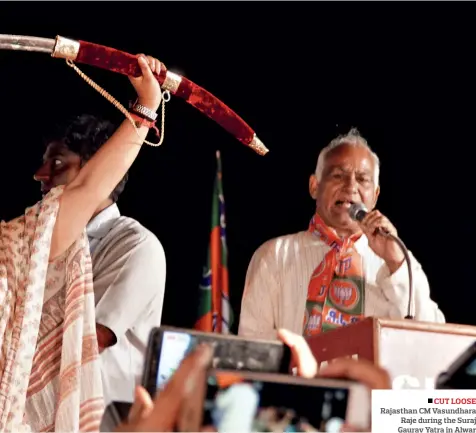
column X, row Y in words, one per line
column 237, row 403
column 174, row 348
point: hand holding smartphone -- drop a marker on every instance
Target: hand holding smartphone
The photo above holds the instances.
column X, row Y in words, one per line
column 243, row 391
column 243, row 401
column 168, row 346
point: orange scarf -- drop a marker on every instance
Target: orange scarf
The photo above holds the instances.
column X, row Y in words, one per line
column 335, row 294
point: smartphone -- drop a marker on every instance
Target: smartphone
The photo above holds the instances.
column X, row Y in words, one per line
column 461, row 374
column 168, row 346
column 241, row 401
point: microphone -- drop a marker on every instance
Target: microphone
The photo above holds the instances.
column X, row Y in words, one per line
column 357, row 212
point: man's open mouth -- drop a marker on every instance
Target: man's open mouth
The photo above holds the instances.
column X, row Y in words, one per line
column 346, row 204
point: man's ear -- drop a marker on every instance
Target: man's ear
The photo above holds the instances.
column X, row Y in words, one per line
column 313, row 184
column 377, row 193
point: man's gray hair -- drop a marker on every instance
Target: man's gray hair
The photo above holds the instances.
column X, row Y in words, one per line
column 352, row 138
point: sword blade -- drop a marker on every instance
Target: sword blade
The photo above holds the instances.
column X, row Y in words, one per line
column 26, row 43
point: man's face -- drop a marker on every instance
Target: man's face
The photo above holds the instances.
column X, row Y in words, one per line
column 60, row 167
column 348, row 177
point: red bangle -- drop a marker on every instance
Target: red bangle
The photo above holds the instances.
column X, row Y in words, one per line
column 140, row 121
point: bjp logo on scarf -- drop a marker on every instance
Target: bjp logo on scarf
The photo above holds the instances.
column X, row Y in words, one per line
column 344, row 294
column 312, row 320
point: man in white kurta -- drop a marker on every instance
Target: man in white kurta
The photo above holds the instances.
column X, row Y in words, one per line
column 129, row 269
column 277, row 281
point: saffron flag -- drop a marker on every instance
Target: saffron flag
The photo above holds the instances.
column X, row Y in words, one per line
column 215, row 314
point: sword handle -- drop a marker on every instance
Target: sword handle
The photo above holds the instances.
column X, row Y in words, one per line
column 108, row 58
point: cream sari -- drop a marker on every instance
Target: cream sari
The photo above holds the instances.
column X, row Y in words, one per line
column 50, row 376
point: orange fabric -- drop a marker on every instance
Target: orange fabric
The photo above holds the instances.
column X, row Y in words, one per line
column 336, row 289
column 227, row 379
column 215, row 256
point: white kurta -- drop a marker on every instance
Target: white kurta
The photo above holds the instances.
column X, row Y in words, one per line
column 278, row 276
column 129, row 271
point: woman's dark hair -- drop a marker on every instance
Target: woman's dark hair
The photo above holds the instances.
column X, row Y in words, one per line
column 84, row 135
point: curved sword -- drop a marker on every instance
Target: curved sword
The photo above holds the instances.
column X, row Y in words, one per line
column 125, row 63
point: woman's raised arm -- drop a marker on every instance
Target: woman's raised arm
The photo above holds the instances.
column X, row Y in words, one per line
column 100, row 175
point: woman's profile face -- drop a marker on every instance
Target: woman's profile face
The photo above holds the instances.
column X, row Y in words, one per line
column 60, row 166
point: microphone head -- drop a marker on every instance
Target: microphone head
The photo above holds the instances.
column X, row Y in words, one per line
column 357, row 211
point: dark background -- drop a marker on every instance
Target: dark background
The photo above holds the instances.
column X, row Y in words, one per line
column 298, row 73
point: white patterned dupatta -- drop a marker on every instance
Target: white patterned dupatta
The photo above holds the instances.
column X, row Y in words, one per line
column 50, row 377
